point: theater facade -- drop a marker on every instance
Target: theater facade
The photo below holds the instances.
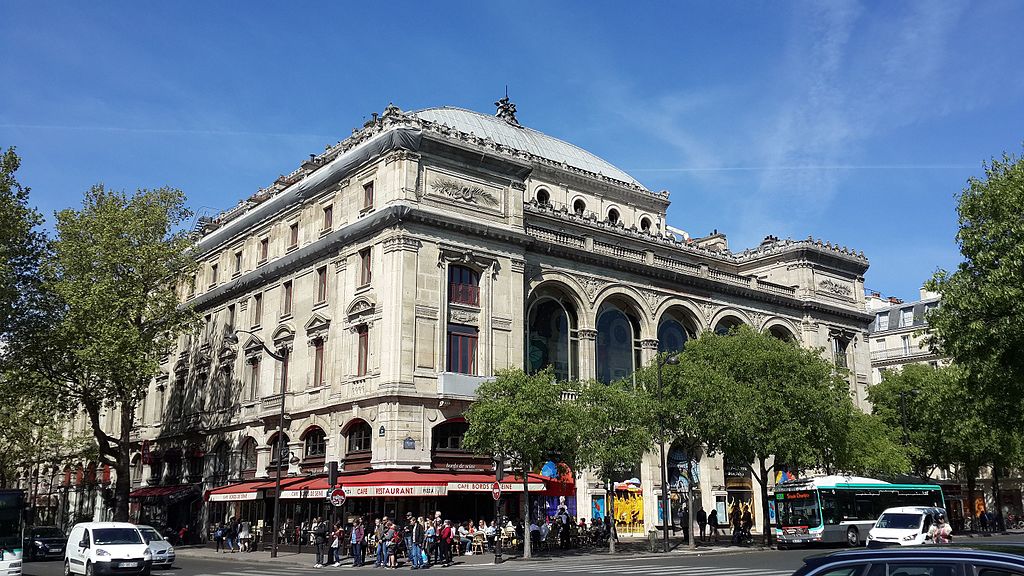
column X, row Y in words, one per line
column 402, row 267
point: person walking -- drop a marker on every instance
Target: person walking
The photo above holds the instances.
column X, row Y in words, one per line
column 245, row 537
column 445, row 540
column 407, row 533
column 702, row 523
column 356, row 540
column 380, row 545
column 736, row 522
column 418, row 538
column 218, row 536
column 748, row 523
column 713, row 524
column 336, row 537
column 230, row 533
column 394, row 537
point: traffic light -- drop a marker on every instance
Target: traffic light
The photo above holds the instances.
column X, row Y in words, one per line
column 332, row 473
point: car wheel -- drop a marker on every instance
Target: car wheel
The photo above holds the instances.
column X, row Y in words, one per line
column 89, row 569
column 852, row 537
column 67, row 568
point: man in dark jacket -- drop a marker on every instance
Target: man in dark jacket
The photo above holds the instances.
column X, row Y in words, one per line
column 320, row 540
column 417, row 536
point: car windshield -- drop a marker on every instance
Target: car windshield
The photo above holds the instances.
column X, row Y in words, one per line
column 47, row 532
column 116, row 536
column 798, row 509
column 149, row 535
column 899, row 521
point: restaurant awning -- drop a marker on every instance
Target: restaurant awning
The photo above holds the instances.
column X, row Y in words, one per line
column 247, row 490
column 171, row 493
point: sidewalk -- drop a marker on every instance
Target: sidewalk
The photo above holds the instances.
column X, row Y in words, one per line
column 625, row 548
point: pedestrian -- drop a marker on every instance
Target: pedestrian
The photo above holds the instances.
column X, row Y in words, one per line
column 736, row 522
column 418, row 539
column 230, row 534
column 983, row 520
column 336, row 537
column 407, row 533
column 713, row 524
column 394, row 538
column 446, row 539
column 245, row 537
column 319, row 532
column 356, row 539
column 748, row 523
column 702, row 523
column 218, row 536
column 379, row 544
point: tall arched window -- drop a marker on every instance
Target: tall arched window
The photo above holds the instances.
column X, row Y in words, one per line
column 579, row 207
column 248, row 461
column 552, row 338
column 781, row 332
column 359, row 435
column 673, row 332
column 315, row 443
column 463, row 285
column 618, row 342
column 221, row 464
column 543, row 197
column 449, row 435
column 726, row 324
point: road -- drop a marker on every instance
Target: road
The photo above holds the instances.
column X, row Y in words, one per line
column 743, row 563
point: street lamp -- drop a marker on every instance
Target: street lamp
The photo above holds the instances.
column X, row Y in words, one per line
column 666, row 514
column 499, row 472
column 232, row 338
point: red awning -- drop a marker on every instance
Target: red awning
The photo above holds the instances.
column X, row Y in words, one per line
column 248, row 490
column 161, row 491
column 408, row 483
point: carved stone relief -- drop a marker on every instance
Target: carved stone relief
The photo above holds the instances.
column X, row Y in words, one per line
column 429, row 312
column 463, row 316
column 469, row 193
column 590, row 285
column 838, row 288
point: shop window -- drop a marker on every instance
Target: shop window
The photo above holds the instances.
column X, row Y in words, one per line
column 449, row 436
column 248, row 461
column 359, row 437
column 462, row 349
column 315, row 444
column 463, row 286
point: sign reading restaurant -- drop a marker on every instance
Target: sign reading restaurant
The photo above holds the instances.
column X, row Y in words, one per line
column 411, row 490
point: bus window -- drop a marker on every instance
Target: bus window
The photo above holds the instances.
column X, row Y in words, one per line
column 828, row 508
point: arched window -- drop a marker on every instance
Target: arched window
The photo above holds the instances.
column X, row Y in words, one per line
column 618, row 342
column 463, row 285
column 645, row 224
column 781, row 332
column 449, row 435
column 248, row 461
column 278, row 447
column 359, row 436
column 137, row 470
column 726, row 324
column 673, row 332
column 543, row 197
column 221, row 464
column 613, row 216
column 579, row 207
column 552, row 338
column 315, row 443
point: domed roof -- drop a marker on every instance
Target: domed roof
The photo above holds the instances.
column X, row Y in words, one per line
column 521, row 138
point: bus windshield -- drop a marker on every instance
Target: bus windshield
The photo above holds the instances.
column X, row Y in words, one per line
column 798, row 509
column 10, row 520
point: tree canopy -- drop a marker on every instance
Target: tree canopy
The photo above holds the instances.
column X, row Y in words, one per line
column 22, row 247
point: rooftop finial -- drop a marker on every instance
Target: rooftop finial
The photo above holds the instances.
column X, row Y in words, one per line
column 506, row 109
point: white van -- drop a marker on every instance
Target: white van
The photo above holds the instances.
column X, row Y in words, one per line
column 904, row 526
column 96, row 548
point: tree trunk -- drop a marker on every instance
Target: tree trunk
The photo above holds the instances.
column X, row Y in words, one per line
column 766, row 524
column 526, row 514
column 969, row 512
column 122, row 464
column 610, row 511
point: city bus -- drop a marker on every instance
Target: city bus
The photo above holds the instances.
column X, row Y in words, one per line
column 12, row 528
column 841, row 509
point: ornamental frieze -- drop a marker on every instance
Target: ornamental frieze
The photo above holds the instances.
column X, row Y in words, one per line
column 470, row 193
column 838, row 288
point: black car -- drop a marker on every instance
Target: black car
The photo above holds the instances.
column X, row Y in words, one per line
column 918, row 561
column 44, row 543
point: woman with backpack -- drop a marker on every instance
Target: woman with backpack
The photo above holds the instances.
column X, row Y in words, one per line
column 394, row 537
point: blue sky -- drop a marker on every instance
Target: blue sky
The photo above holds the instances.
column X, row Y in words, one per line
column 852, row 122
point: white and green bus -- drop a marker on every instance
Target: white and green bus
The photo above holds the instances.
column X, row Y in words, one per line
column 841, row 508
column 12, row 528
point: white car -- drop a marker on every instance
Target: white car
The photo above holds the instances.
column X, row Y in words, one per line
column 904, row 526
column 163, row 552
column 96, row 548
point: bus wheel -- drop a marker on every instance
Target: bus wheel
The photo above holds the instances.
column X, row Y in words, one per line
column 852, row 537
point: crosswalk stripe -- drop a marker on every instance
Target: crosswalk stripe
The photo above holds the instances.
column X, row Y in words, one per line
column 646, row 569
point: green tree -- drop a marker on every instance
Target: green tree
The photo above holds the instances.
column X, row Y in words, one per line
column 525, row 420
column 781, row 398
column 22, row 247
column 617, row 429
column 980, row 323
column 114, row 275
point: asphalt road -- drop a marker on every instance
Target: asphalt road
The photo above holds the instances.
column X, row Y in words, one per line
column 741, row 563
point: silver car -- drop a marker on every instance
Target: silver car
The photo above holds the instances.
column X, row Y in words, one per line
column 163, row 552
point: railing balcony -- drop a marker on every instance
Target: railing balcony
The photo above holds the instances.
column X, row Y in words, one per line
column 468, row 294
column 455, row 384
column 892, row 353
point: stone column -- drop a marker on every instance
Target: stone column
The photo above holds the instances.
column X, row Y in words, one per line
column 587, row 354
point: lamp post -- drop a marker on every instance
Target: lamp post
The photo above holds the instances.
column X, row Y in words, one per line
column 499, row 471
column 609, row 511
column 666, row 513
column 232, row 338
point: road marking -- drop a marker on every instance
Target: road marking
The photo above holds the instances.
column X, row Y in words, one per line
column 642, row 569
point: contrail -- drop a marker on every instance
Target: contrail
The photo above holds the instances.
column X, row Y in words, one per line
column 811, row 167
column 182, row 131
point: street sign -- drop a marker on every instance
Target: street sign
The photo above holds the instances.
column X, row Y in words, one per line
column 496, row 491
column 337, row 497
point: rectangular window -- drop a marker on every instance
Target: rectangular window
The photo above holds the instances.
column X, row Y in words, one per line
column 192, row 286
column 462, row 344
column 257, row 309
column 365, row 271
column 213, row 275
column 231, row 317
column 905, row 340
column 254, row 378
column 285, row 357
column 318, row 363
column 321, row 284
column 286, row 302
column 882, row 321
column 839, row 346
column 238, row 262
column 264, row 249
column 328, row 217
column 364, row 350
column 368, row 195
column 293, row 235
column 906, row 317
column 207, row 326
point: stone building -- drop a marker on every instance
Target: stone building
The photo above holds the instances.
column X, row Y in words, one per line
column 405, row 265
column 896, row 335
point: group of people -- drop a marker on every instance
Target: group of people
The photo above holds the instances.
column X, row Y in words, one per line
column 233, row 536
column 741, row 520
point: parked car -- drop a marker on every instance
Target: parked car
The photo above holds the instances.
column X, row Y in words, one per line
column 106, row 548
column 160, row 546
column 904, row 526
column 917, row 561
column 44, row 543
